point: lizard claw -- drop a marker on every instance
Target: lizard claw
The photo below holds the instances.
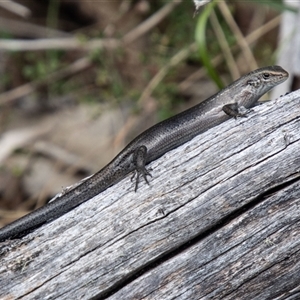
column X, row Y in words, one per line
column 139, row 160
column 138, row 172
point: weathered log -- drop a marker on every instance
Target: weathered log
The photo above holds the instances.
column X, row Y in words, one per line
column 220, row 220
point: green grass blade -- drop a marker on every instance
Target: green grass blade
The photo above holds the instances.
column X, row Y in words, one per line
column 200, row 37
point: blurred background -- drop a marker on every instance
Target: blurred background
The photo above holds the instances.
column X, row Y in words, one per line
column 80, row 79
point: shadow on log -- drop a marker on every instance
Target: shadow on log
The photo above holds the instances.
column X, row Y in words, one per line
column 220, row 220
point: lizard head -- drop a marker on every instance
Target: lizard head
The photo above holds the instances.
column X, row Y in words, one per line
column 264, row 79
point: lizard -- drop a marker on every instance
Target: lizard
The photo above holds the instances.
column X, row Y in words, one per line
column 235, row 100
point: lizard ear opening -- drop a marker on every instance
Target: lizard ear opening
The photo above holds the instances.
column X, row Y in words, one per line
column 251, row 82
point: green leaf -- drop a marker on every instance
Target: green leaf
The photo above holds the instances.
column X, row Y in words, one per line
column 200, row 37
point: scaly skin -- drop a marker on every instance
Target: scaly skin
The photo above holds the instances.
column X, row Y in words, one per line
column 242, row 94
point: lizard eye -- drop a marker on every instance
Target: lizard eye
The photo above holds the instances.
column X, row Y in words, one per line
column 266, row 75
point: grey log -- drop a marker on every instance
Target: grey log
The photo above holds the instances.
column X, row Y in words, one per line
column 221, row 220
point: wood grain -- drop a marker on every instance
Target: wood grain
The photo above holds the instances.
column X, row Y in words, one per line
column 220, row 220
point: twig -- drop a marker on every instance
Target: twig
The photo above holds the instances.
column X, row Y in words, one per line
column 74, row 43
column 136, row 33
column 239, row 36
column 60, row 154
column 256, row 34
column 250, row 39
column 16, row 8
column 175, row 60
column 230, row 61
column 26, row 89
column 152, row 21
column 57, row 43
column 25, row 29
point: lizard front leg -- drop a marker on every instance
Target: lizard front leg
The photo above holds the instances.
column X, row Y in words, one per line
column 139, row 161
column 235, row 110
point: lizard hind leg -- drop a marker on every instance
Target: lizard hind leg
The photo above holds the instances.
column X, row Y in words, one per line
column 139, row 161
